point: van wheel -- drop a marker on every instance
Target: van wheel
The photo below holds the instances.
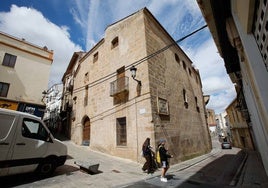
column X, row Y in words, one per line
column 46, row 168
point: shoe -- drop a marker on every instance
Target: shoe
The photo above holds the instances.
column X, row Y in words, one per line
column 163, row 179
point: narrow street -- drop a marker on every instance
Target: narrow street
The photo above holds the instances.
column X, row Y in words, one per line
column 216, row 169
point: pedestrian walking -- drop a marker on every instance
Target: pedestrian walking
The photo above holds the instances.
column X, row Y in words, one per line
column 164, row 156
column 148, row 155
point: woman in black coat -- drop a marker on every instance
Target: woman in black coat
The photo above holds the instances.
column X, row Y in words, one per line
column 147, row 153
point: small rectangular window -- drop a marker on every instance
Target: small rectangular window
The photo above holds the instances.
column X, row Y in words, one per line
column 114, row 42
column 4, row 87
column 177, row 58
column 95, row 57
column 121, row 131
column 86, row 95
column 9, row 60
column 185, row 98
column 196, row 104
column 184, row 65
column 86, row 78
column 190, row 72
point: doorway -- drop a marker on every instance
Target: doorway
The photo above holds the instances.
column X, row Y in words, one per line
column 86, row 131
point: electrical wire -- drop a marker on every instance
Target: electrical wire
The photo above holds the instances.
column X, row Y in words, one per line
column 107, row 77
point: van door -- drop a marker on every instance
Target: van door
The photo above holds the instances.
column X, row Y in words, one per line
column 30, row 145
column 7, row 130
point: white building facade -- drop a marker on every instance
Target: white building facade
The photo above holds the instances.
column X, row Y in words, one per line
column 24, row 74
column 53, row 99
column 240, row 31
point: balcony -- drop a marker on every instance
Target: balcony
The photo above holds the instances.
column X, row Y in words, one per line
column 119, row 86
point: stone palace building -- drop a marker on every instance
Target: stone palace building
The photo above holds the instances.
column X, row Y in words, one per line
column 114, row 111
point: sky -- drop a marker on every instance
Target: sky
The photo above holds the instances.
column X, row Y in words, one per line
column 68, row 26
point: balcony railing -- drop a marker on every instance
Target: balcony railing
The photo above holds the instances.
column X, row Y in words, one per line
column 119, row 86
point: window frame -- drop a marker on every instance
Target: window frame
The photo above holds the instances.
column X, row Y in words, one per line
column 115, row 42
column 95, row 57
column 121, row 131
column 185, row 99
column 9, row 60
column 196, row 104
column 4, row 91
column 184, row 65
column 177, row 58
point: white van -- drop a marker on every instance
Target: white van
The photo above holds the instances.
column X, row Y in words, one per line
column 26, row 145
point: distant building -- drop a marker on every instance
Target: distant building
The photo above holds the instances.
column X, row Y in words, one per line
column 24, row 74
column 67, row 113
column 240, row 31
column 212, row 124
column 222, row 128
column 240, row 132
column 114, row 113
column 52, row 99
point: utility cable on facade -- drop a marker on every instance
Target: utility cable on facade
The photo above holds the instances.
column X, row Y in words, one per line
column 107, row 77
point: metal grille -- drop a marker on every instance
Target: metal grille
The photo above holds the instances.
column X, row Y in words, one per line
column 118, row 86
column 261, row 29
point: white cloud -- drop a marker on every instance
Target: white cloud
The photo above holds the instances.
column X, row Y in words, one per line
column 30, row 24
column 215, row 80
column 79, row 10
column 94, row 16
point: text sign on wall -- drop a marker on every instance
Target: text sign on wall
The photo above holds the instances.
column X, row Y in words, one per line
column 163, row 106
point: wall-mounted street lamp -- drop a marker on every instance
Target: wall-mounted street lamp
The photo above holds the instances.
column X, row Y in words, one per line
column 133, row 74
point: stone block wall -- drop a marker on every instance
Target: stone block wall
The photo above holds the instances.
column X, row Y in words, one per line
column 162, row 76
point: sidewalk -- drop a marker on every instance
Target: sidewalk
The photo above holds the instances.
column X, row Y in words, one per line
column 252, row 174
column 112, row 170
column 115, row 171
column 118, row 172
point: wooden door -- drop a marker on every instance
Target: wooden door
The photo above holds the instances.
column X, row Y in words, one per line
column 86, row 130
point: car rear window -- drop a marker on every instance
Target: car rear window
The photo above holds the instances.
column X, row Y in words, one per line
column 6, row 122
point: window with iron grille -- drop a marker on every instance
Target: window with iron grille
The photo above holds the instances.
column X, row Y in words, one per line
column 260, row 29
column 9, row 60
column 4, row 89
column 121, row 131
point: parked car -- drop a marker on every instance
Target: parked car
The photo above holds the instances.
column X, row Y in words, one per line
column 226, row 145
column 26, row 145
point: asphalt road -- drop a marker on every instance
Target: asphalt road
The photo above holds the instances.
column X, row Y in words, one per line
column 217, row 171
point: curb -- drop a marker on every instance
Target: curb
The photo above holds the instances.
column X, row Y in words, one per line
column 187, row 165
column 239, row 171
